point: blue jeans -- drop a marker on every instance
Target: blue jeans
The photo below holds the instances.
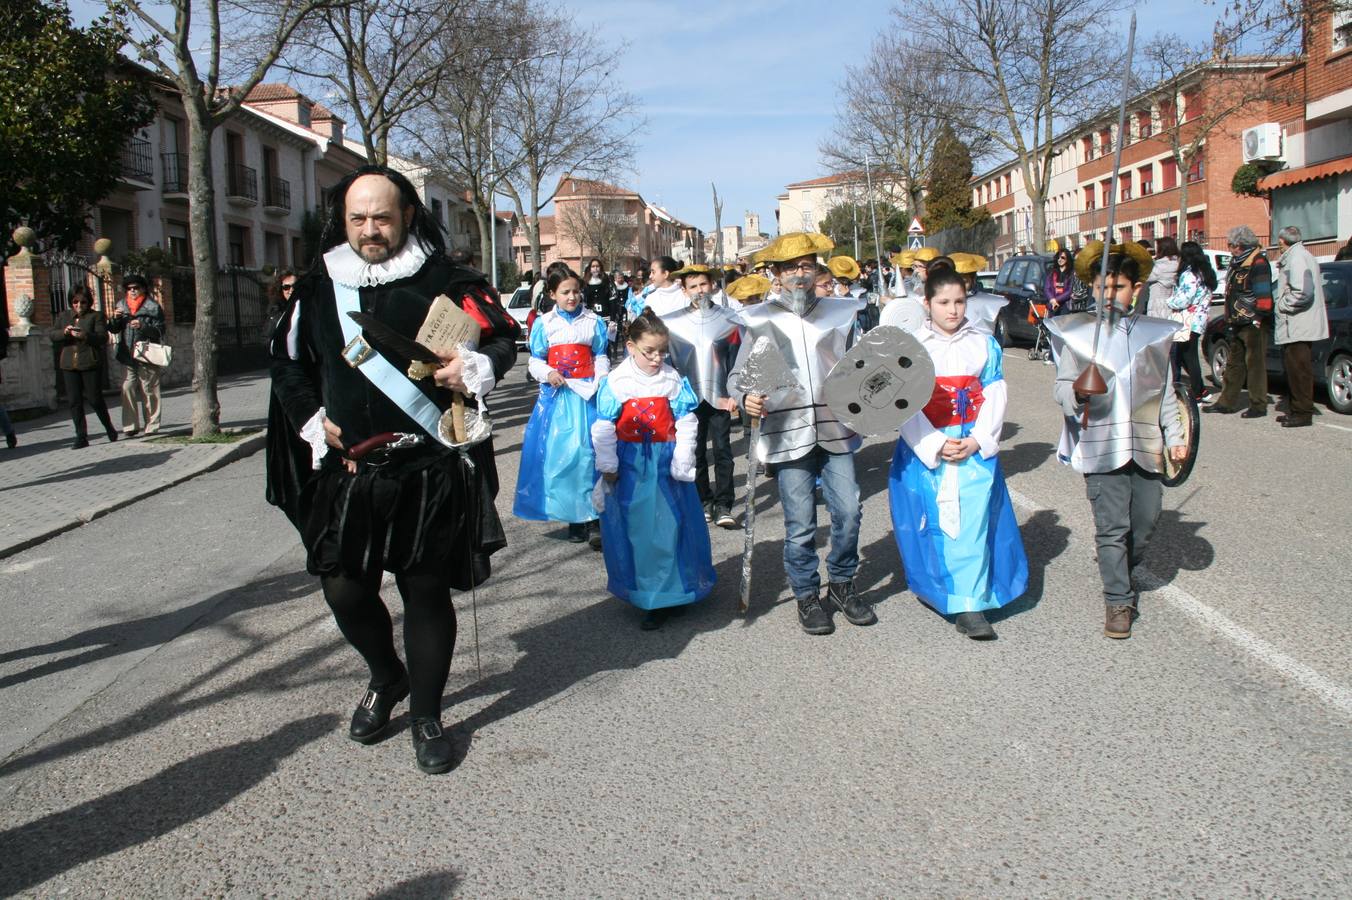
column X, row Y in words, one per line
column 797, row 483
column 5, row 426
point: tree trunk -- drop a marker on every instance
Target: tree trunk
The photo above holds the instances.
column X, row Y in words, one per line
column 485, row 236
column 1184, row 164
column 206, row 406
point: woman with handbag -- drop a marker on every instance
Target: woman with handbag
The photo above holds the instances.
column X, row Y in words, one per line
column 80, row 333
column 139, row 323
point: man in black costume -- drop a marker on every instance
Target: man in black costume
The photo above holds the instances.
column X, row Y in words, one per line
column 355, row 457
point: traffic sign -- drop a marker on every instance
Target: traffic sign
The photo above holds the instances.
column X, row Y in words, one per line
column 916, row 227
column 916, row 242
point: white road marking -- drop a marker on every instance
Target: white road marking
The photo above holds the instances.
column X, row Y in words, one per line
column 16, row 568
column 1327, row 689
column 1339, row 427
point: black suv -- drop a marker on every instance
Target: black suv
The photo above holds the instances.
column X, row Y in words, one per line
column 1020, row 281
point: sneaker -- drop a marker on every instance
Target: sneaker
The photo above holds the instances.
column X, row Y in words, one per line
column 851, row 605
column 1117, row 624
column 975, row 626
column 577, row 533
column 708, row 512
column 723, row 517
column 813, row 618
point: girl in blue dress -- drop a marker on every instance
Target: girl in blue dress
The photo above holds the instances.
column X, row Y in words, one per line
column 951, row 512
column 656, row 541
column 568, row 358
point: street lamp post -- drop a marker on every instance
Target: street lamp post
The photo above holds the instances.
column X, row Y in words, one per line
column 493, row 166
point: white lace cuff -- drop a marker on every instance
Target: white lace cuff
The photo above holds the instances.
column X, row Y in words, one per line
column 478, row 373
column 312, row 432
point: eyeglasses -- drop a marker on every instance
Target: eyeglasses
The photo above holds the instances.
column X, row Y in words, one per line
column 288, row 287
column 801, row 266
column 650, row 353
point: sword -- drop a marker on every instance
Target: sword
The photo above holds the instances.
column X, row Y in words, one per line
column 763, row 372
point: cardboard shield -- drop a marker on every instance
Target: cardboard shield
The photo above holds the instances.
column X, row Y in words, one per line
column 885, row 378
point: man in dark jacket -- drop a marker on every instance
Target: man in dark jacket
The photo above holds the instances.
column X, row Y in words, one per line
column 358, row 457
column 1248, row 301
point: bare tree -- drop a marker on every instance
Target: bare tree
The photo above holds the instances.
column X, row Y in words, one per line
column 387, row 59
column 1026, row 68
column 1212, row 90
column 599, row 232
column 887, row 119
column 197, row 46
column 560, row 113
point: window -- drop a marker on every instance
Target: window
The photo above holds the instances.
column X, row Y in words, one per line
column 1168, row 174
column 1342, row 29
column 1105, row 141
column 1087, row 144
column 1336, row 289
column 1144, row 126
column 237, row 245
column 1195, row 172
column 1197, row 227
column 1006, row 271
column 1312, row 207
column 1089, row 196
column 1124, row 186
column 176, row 243
column 1145, row 174
column 1008, row 183
column 1105, row 192
column 273, row 252
column 1126, row 234
column 1148, row 231
column 1192, row 105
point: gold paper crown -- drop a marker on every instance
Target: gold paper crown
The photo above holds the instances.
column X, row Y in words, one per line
column 968, row 263
column 1088, row 259
column 748, row 286
column 843, row 267
column 793, row 245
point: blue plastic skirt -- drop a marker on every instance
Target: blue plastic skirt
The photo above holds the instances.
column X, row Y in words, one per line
column 558, row 467
column 657, row 521
column 985, row 566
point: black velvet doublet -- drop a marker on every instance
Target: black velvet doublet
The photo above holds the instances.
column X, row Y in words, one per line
column 429, row 510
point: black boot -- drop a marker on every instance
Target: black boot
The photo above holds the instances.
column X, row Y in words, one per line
column 813, row 618
column 577, row 533
column 432, row 747
column 372, row 715
column 975, row 626
column 594, row 534
column 854, row 609
column 80, row 442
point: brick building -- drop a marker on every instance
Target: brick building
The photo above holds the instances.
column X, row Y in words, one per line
column 1149, row 182
column 1314, row 189
column 804, row 204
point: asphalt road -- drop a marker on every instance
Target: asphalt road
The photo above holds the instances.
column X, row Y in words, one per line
column 176, row 696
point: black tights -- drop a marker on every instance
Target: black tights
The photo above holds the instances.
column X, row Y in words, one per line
column 1186, row 355
column 429, row 633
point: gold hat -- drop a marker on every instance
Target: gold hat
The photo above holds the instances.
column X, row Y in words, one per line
column 843, row 267
column 748, row 286
column 1088, row 259
column 905, row 259
column 925, row 254
column 968, row 263
column 793, row 245
column 692, row 269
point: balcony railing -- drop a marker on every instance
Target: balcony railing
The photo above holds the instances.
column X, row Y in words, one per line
column 175, row 166
column 136, row 160
column 241, row 183
column 277, row 193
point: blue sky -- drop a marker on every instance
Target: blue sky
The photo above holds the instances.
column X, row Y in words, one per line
column 741, row 92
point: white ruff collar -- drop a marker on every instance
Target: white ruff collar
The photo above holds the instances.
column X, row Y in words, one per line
column 346, row 266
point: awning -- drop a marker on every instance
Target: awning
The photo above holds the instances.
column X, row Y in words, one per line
column 1305, row 173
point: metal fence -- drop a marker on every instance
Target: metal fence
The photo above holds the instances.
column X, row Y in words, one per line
column 241, row 308
column 69, row 270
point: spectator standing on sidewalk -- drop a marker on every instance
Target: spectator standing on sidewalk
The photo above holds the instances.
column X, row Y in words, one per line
column 1163, row 278
column 138, row 318
column 80, row 333
column 1190, row 305
column 1248, row 300
column 1300, row 320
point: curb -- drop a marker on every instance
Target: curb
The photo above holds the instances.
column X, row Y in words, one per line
column 232, row 453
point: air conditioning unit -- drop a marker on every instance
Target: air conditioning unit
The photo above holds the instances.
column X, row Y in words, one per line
column 1263, row 142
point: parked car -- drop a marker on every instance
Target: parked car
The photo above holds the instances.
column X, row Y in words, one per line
column 1332, row 356
column 519, row 308
column 1220, row 261
column 1020, row 282
column 985, row 281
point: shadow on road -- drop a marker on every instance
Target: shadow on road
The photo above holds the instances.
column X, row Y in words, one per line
column 182, row 793
column 441, row 883
column 116, row 465
column 117, row 638
column 1044, row 539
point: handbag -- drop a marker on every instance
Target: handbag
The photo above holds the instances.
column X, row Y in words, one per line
column 152, row 354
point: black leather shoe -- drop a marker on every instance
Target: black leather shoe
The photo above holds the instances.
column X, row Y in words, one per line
column 813, row 618
column 372, row 715
column 1253, row 414
column 11, row 440
column 975, row 626
column 854, row 609
column 1218, row 408
column 594, row 535
column 432, row 747
column 652, row 619
column 112, row 437
column 1296, row 422
column 80, row 443
column 577, row 533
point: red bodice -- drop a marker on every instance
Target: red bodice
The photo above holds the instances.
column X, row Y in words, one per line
column 956, row 400
column 572, row 360
column 646, row 419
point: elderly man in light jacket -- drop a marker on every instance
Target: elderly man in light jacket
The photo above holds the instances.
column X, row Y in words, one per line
column 1301, row 319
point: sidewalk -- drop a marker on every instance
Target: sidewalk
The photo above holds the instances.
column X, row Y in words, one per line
column 47, row 488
